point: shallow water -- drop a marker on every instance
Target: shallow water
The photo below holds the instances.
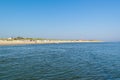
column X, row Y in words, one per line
column 70, row 61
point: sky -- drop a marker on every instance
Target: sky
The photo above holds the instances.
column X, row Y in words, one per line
column 61, row 19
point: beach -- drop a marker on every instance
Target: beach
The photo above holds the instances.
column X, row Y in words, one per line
column 16, row 42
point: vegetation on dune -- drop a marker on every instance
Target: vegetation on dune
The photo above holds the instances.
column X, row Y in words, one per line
column 34, row 39
column 21, row 38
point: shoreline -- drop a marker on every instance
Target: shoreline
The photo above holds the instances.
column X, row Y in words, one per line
column 22, row 42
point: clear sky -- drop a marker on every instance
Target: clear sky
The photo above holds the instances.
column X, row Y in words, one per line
column 61, row 19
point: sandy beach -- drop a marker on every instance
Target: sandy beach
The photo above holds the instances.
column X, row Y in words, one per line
column 16, row 42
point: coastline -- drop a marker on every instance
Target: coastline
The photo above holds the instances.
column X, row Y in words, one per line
column 20, row 42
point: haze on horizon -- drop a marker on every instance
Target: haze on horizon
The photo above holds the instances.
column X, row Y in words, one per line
column 61, row 19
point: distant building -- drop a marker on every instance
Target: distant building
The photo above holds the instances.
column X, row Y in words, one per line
column 10, row 38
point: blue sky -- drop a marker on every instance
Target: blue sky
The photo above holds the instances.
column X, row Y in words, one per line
column 61, row 19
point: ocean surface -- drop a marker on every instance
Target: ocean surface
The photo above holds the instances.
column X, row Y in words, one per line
column 68, row 61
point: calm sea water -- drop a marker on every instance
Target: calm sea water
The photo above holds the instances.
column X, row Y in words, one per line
column 71, row 61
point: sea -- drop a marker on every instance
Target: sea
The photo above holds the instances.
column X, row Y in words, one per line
column 64, row 61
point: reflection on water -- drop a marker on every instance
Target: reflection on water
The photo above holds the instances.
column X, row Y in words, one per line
column 75, row 61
